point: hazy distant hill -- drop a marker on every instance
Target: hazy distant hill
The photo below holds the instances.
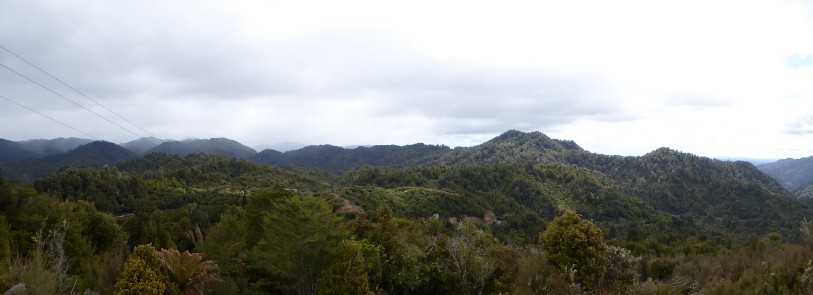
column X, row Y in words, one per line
column 281, row 147
column 91, row 154
column 47, row 147
column 214, row 146
column 804, row 191
column 791, row 173
column 13, row 151
column 142, row 145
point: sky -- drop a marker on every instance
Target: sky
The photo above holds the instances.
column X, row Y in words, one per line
column 725, row 79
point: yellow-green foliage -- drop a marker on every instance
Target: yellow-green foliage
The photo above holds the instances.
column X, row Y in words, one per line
column 143, row 273
column 574, row 244
column 138, row 278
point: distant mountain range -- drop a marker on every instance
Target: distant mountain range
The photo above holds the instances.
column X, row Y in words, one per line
column 31, row 159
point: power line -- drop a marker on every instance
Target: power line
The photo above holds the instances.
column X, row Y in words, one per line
column 49, row 117
column 75, row 90
column 160, row 168
column 68, row 99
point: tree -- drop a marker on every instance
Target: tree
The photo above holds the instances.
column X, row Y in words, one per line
column 573, row 244
column 260, row 204
column 400, row 268
column 226, row 243
column 189, row 270
column 138, row 278
column 347, row 273
column 297, row 241
column 143, row 273
column 469, row 258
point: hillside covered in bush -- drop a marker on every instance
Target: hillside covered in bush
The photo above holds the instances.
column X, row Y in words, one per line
column 520, row 214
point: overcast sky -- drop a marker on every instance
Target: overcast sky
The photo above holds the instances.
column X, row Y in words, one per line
column 714, row 78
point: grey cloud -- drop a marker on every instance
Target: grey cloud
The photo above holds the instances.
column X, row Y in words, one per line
column 116, row 55
column 399, row 81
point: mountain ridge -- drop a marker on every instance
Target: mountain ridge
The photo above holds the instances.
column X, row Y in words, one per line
column 695, row 189
column 91, row 154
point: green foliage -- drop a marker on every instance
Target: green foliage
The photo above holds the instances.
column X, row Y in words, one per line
column 661, row 269
column 275, row 231
column 189, row 270
column 139, row 278
column 572, row 243
column 44, row 271
column 144, row 273
column 109, row 189
column 298, row 240
column 347, row 273
column 219, row 173
column 470, row 259
column 5, row 238
column 225, row 243
column 621, row 272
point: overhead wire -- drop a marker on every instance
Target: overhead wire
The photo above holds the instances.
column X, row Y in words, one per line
column 68, row 99
column 74, row 89
column 160, row 167
column 49, row 117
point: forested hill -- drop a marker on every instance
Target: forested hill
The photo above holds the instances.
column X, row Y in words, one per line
column 665, row 187
column 337, row 159
column 733, row 195
column 417, row 219
column 511, row 147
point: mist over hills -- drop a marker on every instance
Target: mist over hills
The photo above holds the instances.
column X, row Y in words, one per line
column 91, row 154
column 214, row 146
column 38, row 148
column 282, row 146
column 142, row 145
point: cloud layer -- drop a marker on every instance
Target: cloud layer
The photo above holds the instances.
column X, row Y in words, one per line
column 709, row 77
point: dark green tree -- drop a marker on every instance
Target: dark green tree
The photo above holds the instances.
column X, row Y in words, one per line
column 346, row 274
column 297, row 242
